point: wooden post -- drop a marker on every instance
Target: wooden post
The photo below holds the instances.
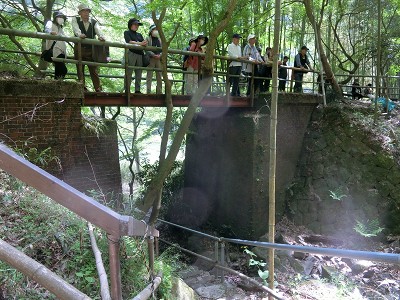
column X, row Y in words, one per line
column 272, row 149
column 227, row 85
column 115, row 268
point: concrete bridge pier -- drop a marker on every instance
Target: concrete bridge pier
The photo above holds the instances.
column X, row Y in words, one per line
column 227, row 163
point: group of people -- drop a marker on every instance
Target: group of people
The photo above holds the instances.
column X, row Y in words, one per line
column 86, row 27
column 356, row 91
column 249, row 62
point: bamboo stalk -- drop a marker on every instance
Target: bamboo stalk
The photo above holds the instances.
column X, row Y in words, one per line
column 272, row 151
column 104, row 287
column 34, row 270
column 149, row 290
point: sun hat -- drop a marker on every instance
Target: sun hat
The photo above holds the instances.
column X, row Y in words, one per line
column 133, row 21
column 201, row 36
column 251, row 36
column 83, row 7
column 59, row 14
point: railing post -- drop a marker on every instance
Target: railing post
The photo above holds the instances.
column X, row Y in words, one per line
column 127, row 83
column 227, row 84
column 150, row 246
column 222, row 257
column 115, row 267
column 157, row 246
column 81, row 76
column 199, row 71
column 252, row 85
column 216, row 249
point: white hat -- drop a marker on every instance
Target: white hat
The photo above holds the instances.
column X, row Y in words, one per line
column 251, row 36
column 83, row 7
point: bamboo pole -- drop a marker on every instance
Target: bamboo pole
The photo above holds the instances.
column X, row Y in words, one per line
column 378, row 64
column 36, row 271
column 272, row 145
column 149, row 290
column 104, row 287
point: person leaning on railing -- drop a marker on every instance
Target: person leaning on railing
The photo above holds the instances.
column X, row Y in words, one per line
column 135, row 57
column 235, row 67
column 192, row 64
column 55, row 27
column 86, row 27
column 154, row 40
column 301, row 62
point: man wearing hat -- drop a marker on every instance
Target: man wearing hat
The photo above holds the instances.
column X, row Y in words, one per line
column 87, row 28
column 154, row 40
column 251, row 53
column 300, row 61
column 135, row 57
column 55, row 27
column 235, row 67
column 193, row 64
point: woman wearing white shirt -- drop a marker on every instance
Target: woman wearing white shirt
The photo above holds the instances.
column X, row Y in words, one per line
column 55, row 27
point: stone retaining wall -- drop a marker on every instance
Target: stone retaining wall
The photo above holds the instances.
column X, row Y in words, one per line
column 343, row 176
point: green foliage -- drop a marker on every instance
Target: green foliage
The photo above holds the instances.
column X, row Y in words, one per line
column 59, row 240
column 369, row 228
column 337, row 194
column 172, row 184
column 41, row 158
column 94, row 124
column 259, row 264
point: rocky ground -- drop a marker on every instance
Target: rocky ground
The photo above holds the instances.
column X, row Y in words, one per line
column 298, row 275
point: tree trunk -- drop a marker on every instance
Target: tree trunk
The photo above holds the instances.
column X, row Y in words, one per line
column 325, row 63
column 152, row 197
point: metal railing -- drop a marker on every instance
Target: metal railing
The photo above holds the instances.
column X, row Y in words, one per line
column 220, row 249
column 221, row 88
column 114, row 224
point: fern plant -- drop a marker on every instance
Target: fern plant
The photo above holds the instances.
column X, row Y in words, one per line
column 369, row 228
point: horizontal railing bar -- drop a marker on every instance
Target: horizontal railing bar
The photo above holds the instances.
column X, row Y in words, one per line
column 191, row 230
column 84, row 206
column 356, row 254
column 224, row 268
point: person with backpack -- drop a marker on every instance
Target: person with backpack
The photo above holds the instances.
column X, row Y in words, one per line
column 86, row 27
column 153, row 39
column 193, row 63
column 135, row 57
column 55, row 27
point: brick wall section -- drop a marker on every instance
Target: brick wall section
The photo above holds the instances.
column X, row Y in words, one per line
column 41, row 114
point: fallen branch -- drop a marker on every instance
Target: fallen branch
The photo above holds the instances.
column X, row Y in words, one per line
column 104, row 287
column 39, row 273
column 149, row 290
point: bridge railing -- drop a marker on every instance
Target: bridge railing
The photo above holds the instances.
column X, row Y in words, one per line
column 389, row 85
column 220, row 252
column 114, row 224
column 221, row 75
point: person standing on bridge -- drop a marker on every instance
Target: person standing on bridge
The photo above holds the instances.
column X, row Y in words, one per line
column 193, row 64
column 55, row 27
column 235, row 67
column 155, row 59
column 300, row 62
column 252, row 54
column 282, row 73
column 135, row 57
column 86, row 27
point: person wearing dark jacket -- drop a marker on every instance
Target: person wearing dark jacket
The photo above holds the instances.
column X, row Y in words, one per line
column 85, row 27
column 282, row 73
column 154, row 40
column 135, row 57
column 301, row 62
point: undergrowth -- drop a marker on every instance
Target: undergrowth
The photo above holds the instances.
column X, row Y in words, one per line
column 57, row 238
